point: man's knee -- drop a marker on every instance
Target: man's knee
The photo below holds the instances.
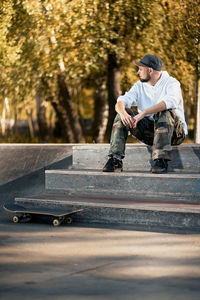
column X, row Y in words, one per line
column 131, row 112
column 165, row 114
column 118, row 122
column 164, row 121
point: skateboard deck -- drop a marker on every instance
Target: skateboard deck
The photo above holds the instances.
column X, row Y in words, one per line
column 25, row 214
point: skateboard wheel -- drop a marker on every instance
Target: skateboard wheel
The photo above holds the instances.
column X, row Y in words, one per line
column 16, row 219
column 68, row 220
column 56, row 222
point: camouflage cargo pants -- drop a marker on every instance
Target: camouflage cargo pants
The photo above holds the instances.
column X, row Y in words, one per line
column 161, row 133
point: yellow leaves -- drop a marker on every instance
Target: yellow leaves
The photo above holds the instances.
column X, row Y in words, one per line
column 33, row 7
column 83, row 32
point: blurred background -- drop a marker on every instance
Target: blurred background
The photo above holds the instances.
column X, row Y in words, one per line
column 63, row 63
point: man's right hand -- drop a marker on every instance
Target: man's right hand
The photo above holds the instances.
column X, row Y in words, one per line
column 127, row 120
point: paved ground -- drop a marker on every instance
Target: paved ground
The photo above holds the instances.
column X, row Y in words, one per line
column 38, row 261
column 76, row 262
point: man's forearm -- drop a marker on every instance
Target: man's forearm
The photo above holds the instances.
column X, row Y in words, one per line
column 155, row 108
column 132, row 121
column 120, row 108
column 151, row 110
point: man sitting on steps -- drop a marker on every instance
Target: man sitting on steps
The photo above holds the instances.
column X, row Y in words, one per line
column 159, row 122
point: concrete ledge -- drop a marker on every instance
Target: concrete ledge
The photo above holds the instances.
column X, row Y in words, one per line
column 178, row 187
column 186, row 157
column 136, row 214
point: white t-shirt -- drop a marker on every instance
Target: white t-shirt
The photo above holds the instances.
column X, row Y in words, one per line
column 144, row 95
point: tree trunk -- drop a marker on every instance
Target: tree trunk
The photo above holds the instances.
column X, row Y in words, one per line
column 15, row 121
column 6, row 118
column 114, row 91
column 41, row 119
column 100, row 112
column 72, row 121
column 29, row 113
column 187, row 105
column 197, row 131
column 197, row 104
column 63, row 120
column 3, row 121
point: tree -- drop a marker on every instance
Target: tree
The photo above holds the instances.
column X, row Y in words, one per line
column 181, row 45
column 53, row 49
column 109, row 33
column 36, row 27
column 189, row 32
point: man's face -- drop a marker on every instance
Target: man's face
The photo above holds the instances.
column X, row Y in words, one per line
column 144, row 74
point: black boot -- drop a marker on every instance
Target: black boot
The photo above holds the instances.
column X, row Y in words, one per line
column 113, row 165
column 160, row 166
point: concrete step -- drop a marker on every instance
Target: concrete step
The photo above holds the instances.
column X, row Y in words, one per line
column 129, row 212
column 186, row 157
column 125, row 185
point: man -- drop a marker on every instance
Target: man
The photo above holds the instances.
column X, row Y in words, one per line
column 159, row 122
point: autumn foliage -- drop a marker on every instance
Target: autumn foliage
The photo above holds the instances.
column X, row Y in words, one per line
column 65, row 62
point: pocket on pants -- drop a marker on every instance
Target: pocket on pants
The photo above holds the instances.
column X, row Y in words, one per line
column 178, row 133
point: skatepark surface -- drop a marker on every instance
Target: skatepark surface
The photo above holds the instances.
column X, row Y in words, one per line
column 95, row 262
column 39, row 261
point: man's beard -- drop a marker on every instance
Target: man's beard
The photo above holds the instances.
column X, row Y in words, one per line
column 145, row 79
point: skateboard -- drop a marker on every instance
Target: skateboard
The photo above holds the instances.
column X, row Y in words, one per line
column 58, row 216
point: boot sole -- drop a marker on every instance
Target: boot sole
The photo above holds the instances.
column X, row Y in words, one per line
column 118, row 170
column 114, row 171
column 159, row 171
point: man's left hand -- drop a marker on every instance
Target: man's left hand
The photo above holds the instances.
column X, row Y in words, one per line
column 137, row 118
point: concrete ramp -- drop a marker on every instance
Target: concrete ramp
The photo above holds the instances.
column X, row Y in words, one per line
column 22, row 167
column 137, row 198
column 18, row 160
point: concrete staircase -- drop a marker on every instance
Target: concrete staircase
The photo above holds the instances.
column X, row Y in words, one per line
column 135, row 197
